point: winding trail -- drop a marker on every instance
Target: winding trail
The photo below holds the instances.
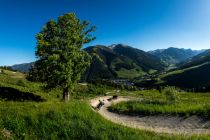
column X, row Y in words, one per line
column 161, row 124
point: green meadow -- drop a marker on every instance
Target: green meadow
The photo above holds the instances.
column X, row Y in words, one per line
column 40, row 114
column 155, row 103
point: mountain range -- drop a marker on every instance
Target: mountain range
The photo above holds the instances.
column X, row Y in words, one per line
column 192, row 73
column 120, row 61
column 197, row 60
column 123, row 61
column 25, row 67
column 173, row 56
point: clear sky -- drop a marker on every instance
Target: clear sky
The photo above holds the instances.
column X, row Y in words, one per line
column 144, row 24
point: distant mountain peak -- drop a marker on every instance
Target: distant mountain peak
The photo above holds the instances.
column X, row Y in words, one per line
column 118, row 45
column 112, row 46
column 172, row 48
column 174, row 55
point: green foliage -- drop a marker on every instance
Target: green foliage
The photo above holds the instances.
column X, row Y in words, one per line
column 90, row 90
column 170, row 93
column 61, row 60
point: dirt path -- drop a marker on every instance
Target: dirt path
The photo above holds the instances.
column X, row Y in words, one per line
column 161, row 124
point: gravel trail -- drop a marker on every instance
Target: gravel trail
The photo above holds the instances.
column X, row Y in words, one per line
column 161, row 124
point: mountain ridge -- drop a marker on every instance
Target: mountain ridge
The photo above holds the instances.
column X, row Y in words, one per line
column 192, row 73
column 115, row 61
column 174, row 55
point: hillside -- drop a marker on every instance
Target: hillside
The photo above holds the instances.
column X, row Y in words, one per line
column 192, row 73
column 143, row 59
column 191, row 77
column 196, row 60
column 22, row 67
column 29, row 112
column 119, row 61
column 173, row 55
column 101, row 58
column 116, row 61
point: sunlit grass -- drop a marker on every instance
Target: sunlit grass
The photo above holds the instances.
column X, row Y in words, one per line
column 155, row 103
column 53, row 119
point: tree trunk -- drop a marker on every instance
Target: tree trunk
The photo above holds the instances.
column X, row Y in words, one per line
column 66, row 94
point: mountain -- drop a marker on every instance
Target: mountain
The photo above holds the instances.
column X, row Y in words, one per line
column 143, row 59
column 22, row 67
column 99, row 69
column 115, row 61
column 196, row 60
column 192, row 73
column 173, row 55
column 120, row 61
column 192, row 77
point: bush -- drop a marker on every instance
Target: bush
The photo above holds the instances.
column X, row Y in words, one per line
column 170, row 94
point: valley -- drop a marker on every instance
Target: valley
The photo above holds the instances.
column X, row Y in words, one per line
column 139, row 104
column 104, row 70
column 145, row 69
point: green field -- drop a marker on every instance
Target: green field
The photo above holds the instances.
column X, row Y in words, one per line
column 39, row 114
column 123, row 73
column 155, row 103
column 191, row 77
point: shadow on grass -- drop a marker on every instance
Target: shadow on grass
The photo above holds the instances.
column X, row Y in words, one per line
column 11, row 94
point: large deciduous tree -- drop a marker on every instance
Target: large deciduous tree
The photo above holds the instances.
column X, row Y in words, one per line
column 61, row 60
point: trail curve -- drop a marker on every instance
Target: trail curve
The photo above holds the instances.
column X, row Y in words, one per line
column 160, row 124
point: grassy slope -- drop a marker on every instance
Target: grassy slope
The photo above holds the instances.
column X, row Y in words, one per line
column 110, row 63
column 182, row 70
column 196, row 60
column 195, row 76
column 154, row 103
column 58, row 120
column 132, row 73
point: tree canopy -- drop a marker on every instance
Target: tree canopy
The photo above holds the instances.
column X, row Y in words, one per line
column 61, row 60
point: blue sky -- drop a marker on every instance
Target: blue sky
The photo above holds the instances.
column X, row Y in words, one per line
column 144, row 24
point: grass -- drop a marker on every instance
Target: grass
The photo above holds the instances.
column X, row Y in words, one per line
column 57, row 120
column 53, row 119
column 161, row 108
column 155, row 103
column 183, row 77
column 132, row 73
column 181, row 71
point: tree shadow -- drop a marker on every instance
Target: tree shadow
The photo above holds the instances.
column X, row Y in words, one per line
column 11, row 94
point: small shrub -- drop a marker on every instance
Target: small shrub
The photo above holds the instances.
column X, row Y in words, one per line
column 170, row 94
